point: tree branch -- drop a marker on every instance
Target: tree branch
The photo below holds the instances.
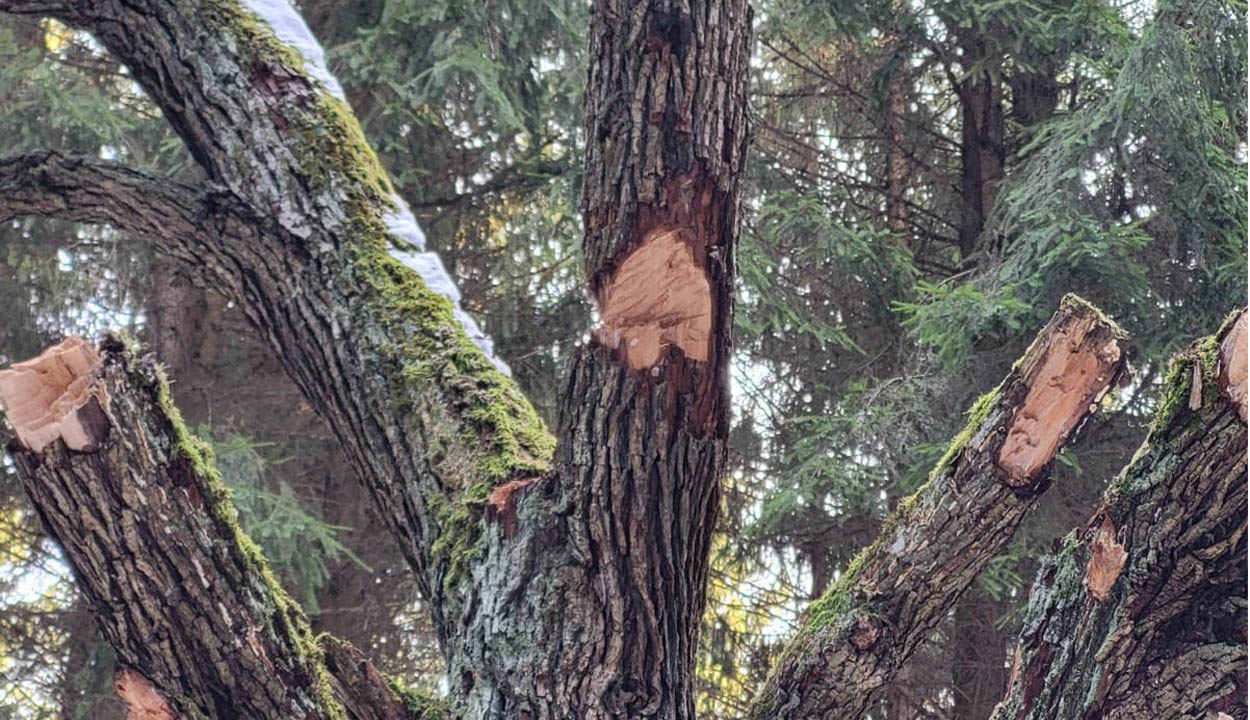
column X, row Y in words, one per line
column 1142, row 613
column 199, row 625
column 567, row 589
column 189, row 225
column 895, row 593
column 424, row 417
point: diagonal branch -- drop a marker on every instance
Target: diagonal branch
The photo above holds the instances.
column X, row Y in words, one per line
column 896, row 592
column 1142, row 613
column 377, row 344
column 199, row 625
column 190, row 225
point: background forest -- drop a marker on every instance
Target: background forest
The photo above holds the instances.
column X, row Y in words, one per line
column 927, row 179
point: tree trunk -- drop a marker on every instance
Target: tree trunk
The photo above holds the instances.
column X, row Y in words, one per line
column 1141, row 614
column 564, row 582
column 978, row 667
column 611, row 547
column 981, row 150
column 572, row 590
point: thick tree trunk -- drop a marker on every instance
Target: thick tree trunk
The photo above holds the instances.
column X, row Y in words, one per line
column 595, row 575
column 896, row 592
column 565, row 582
column 1141, row 614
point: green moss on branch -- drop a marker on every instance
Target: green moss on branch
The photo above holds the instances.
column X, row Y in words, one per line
column 285, row 615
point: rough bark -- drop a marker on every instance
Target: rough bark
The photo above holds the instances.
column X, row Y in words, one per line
column 423, row 415
column 1142, row 613
column 566, row 591
column 896, row 592
column 188, row 224
column 198, row 624
column 605, row 558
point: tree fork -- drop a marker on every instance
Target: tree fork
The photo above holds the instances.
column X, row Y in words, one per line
column 858, row 635
column 1142, row 613
column 572, row 589
column 189, row 605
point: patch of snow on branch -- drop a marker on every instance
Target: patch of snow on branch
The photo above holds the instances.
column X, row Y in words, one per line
column 291, row 29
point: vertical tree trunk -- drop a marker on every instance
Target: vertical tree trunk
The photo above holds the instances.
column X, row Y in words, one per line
column 897, row 96
column 608, row 553
column 981, row 149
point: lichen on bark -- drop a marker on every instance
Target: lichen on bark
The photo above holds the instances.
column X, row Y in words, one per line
column 856, row 636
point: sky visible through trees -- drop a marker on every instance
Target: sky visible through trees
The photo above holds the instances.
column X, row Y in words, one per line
column 926, row 181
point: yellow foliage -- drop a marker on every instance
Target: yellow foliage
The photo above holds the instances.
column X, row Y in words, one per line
column 55, row 36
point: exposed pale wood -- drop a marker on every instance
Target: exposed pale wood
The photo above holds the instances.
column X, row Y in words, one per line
column 659, row 298
column 143, row 700
column 1141, row 614
column 45, row 398
column 1065, row 380
column 192, row 613
column 1233, row 365
column 1106, row 560
column 864, row 629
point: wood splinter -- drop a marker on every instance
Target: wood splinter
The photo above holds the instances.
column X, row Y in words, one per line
column 659, row 297
column 1233, row 365
column 1107, row 558
column 50, row 397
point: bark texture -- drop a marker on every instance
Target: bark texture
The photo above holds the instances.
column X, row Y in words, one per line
column 199, row 625
column 894, row 594
column 427, row 422
column 1142, row 613
column 592, row 585
column 572, row 590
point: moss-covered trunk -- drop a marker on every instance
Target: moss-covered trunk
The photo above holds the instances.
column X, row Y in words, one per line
column 1141, row 614
column 566, row 590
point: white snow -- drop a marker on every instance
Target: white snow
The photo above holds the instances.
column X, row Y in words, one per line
column 290, row 28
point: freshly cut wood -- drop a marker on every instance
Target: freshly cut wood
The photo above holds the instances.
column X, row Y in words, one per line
column 894, row 594
column 1065, row 379
column 143, row 700
column 53, row 397
column 198, row 624
column 1233, row 365
column 1106, row 561
column 1142, row 613
column 659, row 298
column 579, row 594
